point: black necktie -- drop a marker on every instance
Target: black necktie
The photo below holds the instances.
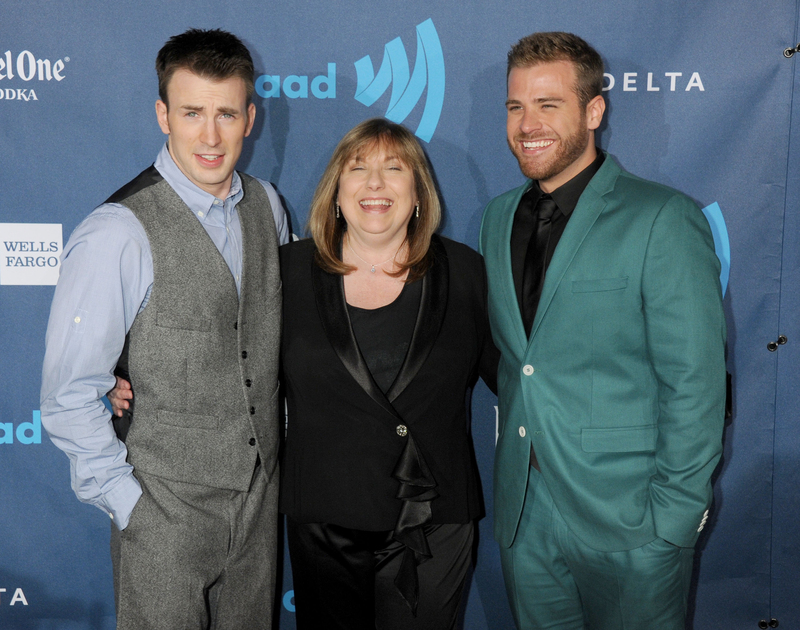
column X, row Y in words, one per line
column 536, row 259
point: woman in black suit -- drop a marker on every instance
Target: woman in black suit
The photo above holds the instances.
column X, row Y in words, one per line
column 385, row 331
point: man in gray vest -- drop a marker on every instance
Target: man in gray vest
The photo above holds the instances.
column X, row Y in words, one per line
column 180, row 269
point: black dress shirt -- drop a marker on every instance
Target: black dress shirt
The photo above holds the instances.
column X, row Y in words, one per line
column 566, row 197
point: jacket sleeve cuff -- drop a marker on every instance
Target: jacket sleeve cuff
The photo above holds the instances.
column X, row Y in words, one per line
column 678, row 533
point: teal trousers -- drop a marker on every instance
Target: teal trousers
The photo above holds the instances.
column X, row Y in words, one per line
column 554, row 580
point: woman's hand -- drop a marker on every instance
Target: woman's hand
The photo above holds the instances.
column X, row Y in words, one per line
column 119, row 396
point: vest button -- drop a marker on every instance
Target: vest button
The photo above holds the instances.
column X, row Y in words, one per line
column 236, row 325
column 252, row 442
column 252, row 411
column 248, row 382
column 244, row 354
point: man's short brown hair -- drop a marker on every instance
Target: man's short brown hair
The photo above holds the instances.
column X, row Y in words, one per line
column 210, row 54
column 541, row 48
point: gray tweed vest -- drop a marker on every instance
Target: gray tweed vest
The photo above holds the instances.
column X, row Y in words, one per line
column 203, row 363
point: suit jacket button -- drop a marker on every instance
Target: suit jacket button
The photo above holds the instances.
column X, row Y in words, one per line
column 522, row 431
column 252, row 442
column 252, row 411
column 402, row 430
column 248, row 382
column 244, row 354
column 528, row 370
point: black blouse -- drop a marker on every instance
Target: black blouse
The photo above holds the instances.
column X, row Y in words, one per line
column 384, row 333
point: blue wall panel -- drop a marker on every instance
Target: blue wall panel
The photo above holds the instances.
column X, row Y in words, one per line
column 700, row 99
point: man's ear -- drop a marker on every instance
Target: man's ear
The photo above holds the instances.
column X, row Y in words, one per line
column 161, row 115
column 594, row 112
column 251, row 118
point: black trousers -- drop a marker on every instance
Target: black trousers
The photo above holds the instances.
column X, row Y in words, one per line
column 344, row 578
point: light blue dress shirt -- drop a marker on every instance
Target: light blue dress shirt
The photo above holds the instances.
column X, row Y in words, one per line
column 105, row 281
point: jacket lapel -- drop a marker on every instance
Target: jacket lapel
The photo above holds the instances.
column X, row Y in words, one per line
column 590, row 205
column 506, row 278
column 332, row 308
column 430, row 316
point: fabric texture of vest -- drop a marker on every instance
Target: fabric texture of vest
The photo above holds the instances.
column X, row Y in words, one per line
column 203, row 362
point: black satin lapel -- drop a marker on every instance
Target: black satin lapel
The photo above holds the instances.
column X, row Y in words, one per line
column 432, row 307
column 329, row 295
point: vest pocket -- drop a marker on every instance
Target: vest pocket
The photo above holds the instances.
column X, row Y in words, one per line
column 619, row 440
column 195, row 321
column 187, row 420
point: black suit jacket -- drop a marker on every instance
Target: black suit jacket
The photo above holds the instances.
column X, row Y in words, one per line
column 342, row 442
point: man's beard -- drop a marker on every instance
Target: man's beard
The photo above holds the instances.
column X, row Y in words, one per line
column 569, row 149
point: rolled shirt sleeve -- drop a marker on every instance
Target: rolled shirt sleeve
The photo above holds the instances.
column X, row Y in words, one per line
column 106, row 274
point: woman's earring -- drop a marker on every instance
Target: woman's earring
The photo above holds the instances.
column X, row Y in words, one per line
column 418, row 210
column 337, row 210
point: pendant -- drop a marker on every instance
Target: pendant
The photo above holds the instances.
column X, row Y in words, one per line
column 373, row 269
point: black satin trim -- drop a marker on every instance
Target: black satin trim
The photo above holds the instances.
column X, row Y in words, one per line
column 332, row 308
column 417, row 490
column 432, row 309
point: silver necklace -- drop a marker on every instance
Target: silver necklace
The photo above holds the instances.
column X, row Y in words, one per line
column 372, row 266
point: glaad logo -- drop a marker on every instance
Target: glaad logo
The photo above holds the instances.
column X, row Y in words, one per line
column 26, row 433
column 294, row 86
column 722, row 244
column 407, row 88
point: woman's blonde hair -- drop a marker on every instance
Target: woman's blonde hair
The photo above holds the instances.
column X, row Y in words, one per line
column 327, row 230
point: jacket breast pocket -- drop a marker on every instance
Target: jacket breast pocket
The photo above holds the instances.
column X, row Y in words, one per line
column 598, row 307
column 599, row 284
column 620, row 439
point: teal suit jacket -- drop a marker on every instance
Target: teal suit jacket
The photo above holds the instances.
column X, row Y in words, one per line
column 621, row 386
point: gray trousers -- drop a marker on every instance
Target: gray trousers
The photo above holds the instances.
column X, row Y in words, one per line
column 195, row 557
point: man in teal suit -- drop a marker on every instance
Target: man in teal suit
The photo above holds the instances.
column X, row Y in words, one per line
column 606, row 305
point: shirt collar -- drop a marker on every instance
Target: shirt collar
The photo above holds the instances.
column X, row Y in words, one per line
column 199, row 201
column 567, row 195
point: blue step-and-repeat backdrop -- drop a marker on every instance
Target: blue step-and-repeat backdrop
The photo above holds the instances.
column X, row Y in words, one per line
column 700, row 97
